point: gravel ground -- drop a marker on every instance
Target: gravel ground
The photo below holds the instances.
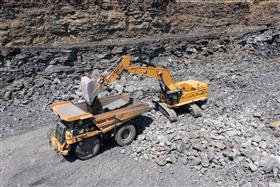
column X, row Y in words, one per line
column 29, row 161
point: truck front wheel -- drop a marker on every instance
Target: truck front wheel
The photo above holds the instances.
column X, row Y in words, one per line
column 125, row 134
column 87, row 148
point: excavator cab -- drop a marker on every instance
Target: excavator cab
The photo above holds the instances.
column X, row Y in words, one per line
column 170, row 97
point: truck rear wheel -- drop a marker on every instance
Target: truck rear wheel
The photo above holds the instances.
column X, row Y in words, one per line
column 125, row 134
column 87, row 148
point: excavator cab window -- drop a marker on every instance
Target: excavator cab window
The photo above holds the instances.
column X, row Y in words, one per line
column 173, row 97
column 170, row 97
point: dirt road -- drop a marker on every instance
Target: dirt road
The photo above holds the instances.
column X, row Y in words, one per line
column 29, row 161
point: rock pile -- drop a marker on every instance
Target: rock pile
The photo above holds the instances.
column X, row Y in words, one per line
column 235, row 133
column 238, row 132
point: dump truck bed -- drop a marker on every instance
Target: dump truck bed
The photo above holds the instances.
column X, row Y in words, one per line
column 107, row 112
column 107, row 121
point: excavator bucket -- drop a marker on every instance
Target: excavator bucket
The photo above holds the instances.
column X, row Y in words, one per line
column 90, row 89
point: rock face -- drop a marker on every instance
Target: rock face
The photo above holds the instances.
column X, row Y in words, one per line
column 63, row 22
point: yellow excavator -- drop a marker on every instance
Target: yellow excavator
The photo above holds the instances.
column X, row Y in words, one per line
column 192, row 94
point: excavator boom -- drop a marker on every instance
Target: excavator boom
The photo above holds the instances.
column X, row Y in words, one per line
column 91, row 88
column 154, row 72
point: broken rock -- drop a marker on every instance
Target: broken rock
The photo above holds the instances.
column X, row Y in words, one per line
column 160, row 161
column 253, row 167
column 7, row 95
column 163, row 140
column 275, row 124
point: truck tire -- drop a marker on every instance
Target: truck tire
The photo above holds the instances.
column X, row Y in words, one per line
column 125, row 134
column 87, row 148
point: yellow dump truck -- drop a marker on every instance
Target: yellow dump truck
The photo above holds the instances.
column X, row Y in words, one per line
column 82, row 127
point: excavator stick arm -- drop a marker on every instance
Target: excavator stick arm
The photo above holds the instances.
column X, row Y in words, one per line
column 116, row 72
column 91, row 88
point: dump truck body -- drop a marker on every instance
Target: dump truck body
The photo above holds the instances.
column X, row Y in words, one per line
column 81, row 121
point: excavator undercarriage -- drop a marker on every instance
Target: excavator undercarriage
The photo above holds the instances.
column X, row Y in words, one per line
column 166, row 111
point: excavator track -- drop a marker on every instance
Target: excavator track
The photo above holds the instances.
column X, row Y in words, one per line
column 166, row 111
